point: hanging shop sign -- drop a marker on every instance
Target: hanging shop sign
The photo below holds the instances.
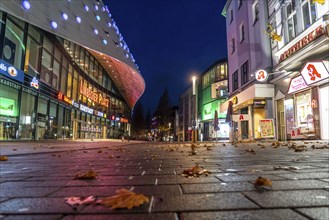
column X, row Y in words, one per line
column 98, row 113
column 311, row 36
column 314, row 103
column 266, row 128
column 315, row 71
column 34, row 83
column 261, row 75
column 86, row 109
column 94, row 96
column 235, row 100
column 297, row 84
column 11, row 72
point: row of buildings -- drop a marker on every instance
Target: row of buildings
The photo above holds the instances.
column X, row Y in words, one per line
column 65, row 71
column 275, row 81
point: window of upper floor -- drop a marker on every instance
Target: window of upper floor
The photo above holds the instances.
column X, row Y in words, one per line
column 291, row 21
column 239, row 4
column 232, row 45
column 235, row 81
column 242, row 32
column 231, row 16
column 309, row 14
column 244, row 73
column 255, row 12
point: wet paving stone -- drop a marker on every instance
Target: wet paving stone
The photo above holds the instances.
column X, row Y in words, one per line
column 296, row 198
column 41, row 182
column 33, row 217
column 114, row 216
column 275, row 214
column 218, row 187
column 36, row 206
column 199, row 202
column 315, row 213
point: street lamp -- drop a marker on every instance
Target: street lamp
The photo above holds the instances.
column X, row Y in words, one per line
column 194, row 93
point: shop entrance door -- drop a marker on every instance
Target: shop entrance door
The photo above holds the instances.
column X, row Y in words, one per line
column 281, row 121
column 245, row 129
column 324, row 112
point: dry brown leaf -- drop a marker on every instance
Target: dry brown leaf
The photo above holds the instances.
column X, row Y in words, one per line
column 3, row 158
column 75, row 201
column 195, row 171
column 284, row 168
column 86, row 176
column 124, row 199
column 251, row 150
column 260, row 181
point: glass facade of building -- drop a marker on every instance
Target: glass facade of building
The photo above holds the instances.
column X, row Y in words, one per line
column 63, row 92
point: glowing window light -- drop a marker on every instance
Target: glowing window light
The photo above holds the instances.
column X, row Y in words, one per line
column 78, row 19
column 26, row 4
column 127, row 55
column 105, row 42
column 109, row 24
column 65, row 16
column 103, row 8
column 53, row 24
column 96, row 31
column 86, row 8
column 96, row 7
column 98, row 18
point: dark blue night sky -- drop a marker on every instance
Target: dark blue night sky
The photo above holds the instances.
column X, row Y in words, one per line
column 170, row 40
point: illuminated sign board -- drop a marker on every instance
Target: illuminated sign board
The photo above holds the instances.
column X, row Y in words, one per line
column 314, row 34
column 86, row 109
column 208, row 111
column 98, row 113
column 35, row 83
column 94, row 96
column 124, row 120
column 261, row 75
column 297, row 84
column 75, row 104
column 8, row 107
column 315, row 71
column 11, row 72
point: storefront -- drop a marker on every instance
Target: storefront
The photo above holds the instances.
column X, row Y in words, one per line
column 303, row 112
column 250, row 108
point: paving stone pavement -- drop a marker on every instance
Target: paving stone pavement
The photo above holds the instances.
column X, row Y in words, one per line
column 38, row 176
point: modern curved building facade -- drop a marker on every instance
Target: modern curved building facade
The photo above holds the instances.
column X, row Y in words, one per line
column 65, row 71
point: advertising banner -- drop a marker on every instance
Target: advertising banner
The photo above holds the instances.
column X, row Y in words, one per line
column 8, row 107
column 266, row 128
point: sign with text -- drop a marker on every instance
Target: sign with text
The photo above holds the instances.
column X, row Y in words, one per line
column 241, row 117
column 94, row 96
column 296, row 84
column 86, row 109
column 315, row 71
column 266, row 128
column 11, row 72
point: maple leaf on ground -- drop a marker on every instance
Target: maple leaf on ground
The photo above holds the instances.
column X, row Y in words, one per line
column 260, row 181
column 124, row 199
column 75, row 201
column 86, row 176
column 3, row 158
column 195, row 172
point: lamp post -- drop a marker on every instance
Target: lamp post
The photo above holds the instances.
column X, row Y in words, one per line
column 194, row 93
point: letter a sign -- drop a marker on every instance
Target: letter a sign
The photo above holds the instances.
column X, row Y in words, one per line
column 315, row 71
column 261, row 75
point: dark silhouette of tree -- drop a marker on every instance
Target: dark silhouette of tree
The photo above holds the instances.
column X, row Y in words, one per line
column 138, row 121
column 162, row 116
column 148, row 120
